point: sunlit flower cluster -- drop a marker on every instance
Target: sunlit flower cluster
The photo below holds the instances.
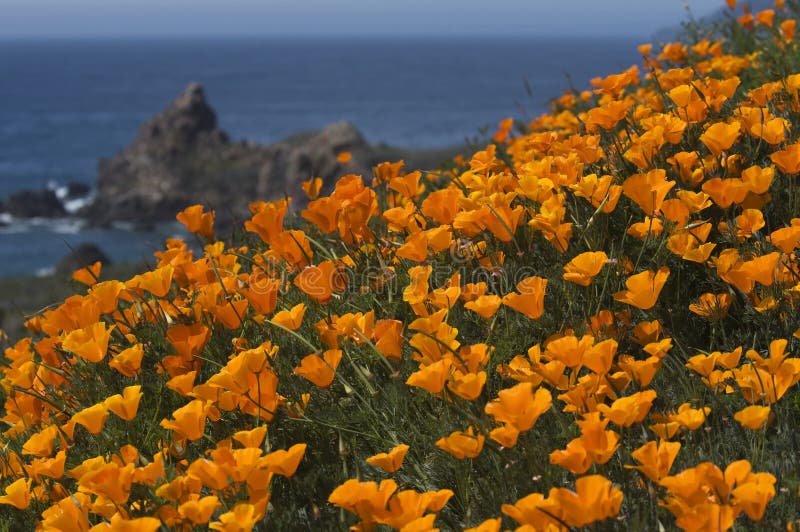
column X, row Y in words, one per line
column 592, row 319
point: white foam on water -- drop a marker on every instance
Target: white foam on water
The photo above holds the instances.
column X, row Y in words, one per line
column 45, row 272
column 74, row 205
column 61, row 226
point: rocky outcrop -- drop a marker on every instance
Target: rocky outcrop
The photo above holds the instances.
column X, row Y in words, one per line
column 182, row 157
column 42, row 203
column 297, row 159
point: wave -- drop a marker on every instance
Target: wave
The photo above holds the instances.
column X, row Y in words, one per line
column 64, row 226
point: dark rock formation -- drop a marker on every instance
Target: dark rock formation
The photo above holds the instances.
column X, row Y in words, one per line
column 74, row 190
column 299, row 158
column 33, row 204
column 181, row 157
column 84, row 255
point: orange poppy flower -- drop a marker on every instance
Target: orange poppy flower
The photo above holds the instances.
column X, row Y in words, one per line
column 292, row 246
column 365, row 499
column 188, row 340
column 89, row 343
column 504, row 128
column 690, row 418
column 262, row 293
column 292, row 318
column 467, row 385
column 626, row 411
column 18, row 494
column 788, row 27
column 157, row 282
column 125, row 405
column 720, row 136
column 182, row 384
column 600, row 356
column 119, row 523
column 388, row 337
column 48, row 467
column 267, row 219
column 726, row 192
column 649, row 228
column 391, row 461
column 583, row 268
column 753, row 417
column 129, row 361
column 415, row 248
column 694, row 201
column 574, row 457
column 92, row 418
column 643, row 288
column 676, row 212
column 597, row 190
column 70, row 513
column 761, row 269
column 569, row 349
column 432, row 377
column 198, row 222
column 713, row 306
column 323, row 213
column 600, row 444
column 320, row 370
column 686, row 245
column 231, row 313
column 765, row 17
column 772, row 131
column 417, row 290
column 535, row 512
column 462, row 444
column 747, row 223
column 788, row 159
column 344, row 157
column 243, row 516
column 442, row 205
column 107, row 295
column 656, row 459
column 485, row 306
column 41, row 443
column 408, row 185
column 284, row 462
column 251, row 438
column 609, row 115
column 189, row 421
column 648, row 190
column 199, row 511
column 490, row 525
column 320, row 282
column 530, row 300
column 520, row 406
column 786, row 238
column 312, row 187
column 594, row 499
column 88, row 275
column 641, row 371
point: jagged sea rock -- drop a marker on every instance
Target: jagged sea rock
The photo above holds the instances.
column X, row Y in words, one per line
column 42, row 203
column 181, row 157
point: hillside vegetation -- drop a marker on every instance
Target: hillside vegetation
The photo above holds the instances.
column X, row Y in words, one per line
column 590, row 322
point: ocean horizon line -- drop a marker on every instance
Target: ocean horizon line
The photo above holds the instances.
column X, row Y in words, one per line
column 325, row 36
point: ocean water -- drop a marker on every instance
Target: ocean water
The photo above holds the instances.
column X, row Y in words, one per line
column 66, row 103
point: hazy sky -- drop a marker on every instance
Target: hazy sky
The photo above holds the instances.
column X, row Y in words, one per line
column 343, row 17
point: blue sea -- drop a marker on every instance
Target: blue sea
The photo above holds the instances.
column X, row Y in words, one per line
column 66, row 103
